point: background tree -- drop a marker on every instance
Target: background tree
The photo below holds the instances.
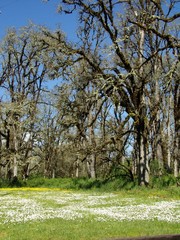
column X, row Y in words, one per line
column 25, row 66
column 124, row 44
column 115, row 109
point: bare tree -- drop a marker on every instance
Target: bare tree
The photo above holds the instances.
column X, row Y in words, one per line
column 25, row 66
column 123, row 42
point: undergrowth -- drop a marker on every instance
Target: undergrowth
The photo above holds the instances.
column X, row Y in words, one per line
column 111, row 184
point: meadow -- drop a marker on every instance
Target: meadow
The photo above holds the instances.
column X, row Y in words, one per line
column 54, row 213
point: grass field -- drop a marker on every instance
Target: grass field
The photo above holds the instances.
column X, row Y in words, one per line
column 42, row 213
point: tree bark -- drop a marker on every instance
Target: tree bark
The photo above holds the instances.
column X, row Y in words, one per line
column 143, row 163
column 143, row 167
column 177, row 128
column 15, row 160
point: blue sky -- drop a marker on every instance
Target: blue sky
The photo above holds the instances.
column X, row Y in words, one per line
column 17, row 13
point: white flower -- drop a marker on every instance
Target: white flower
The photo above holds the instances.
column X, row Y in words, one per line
column 26, row 206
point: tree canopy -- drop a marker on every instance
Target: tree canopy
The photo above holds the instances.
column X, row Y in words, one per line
column 114, row 112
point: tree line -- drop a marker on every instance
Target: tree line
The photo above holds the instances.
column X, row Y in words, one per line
column 115, row 110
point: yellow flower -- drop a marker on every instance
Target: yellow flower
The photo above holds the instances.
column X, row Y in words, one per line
column 33, row 189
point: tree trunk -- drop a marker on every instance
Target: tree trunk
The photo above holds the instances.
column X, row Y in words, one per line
column 92, row 143
column 169, row 136
column 177, row 129
column 14, row 145
column 77, row 168
column 143, row 165
column 53, row 173
column 93, row 166
column 176, row 149
column 158, row 137
column 15, row 167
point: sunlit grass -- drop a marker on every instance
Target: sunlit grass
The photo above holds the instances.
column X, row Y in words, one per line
column 58, row 229
column 43, row 213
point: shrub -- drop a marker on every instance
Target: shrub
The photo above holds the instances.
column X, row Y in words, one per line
column 164, row 181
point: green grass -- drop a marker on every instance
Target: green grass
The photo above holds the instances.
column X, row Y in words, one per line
column 111, row 184
column 87, row 228
column 57, row 229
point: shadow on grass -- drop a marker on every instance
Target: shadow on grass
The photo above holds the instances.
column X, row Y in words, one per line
column 160, row 237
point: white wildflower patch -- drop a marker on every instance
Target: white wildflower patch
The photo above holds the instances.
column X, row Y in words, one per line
column 25, row 206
